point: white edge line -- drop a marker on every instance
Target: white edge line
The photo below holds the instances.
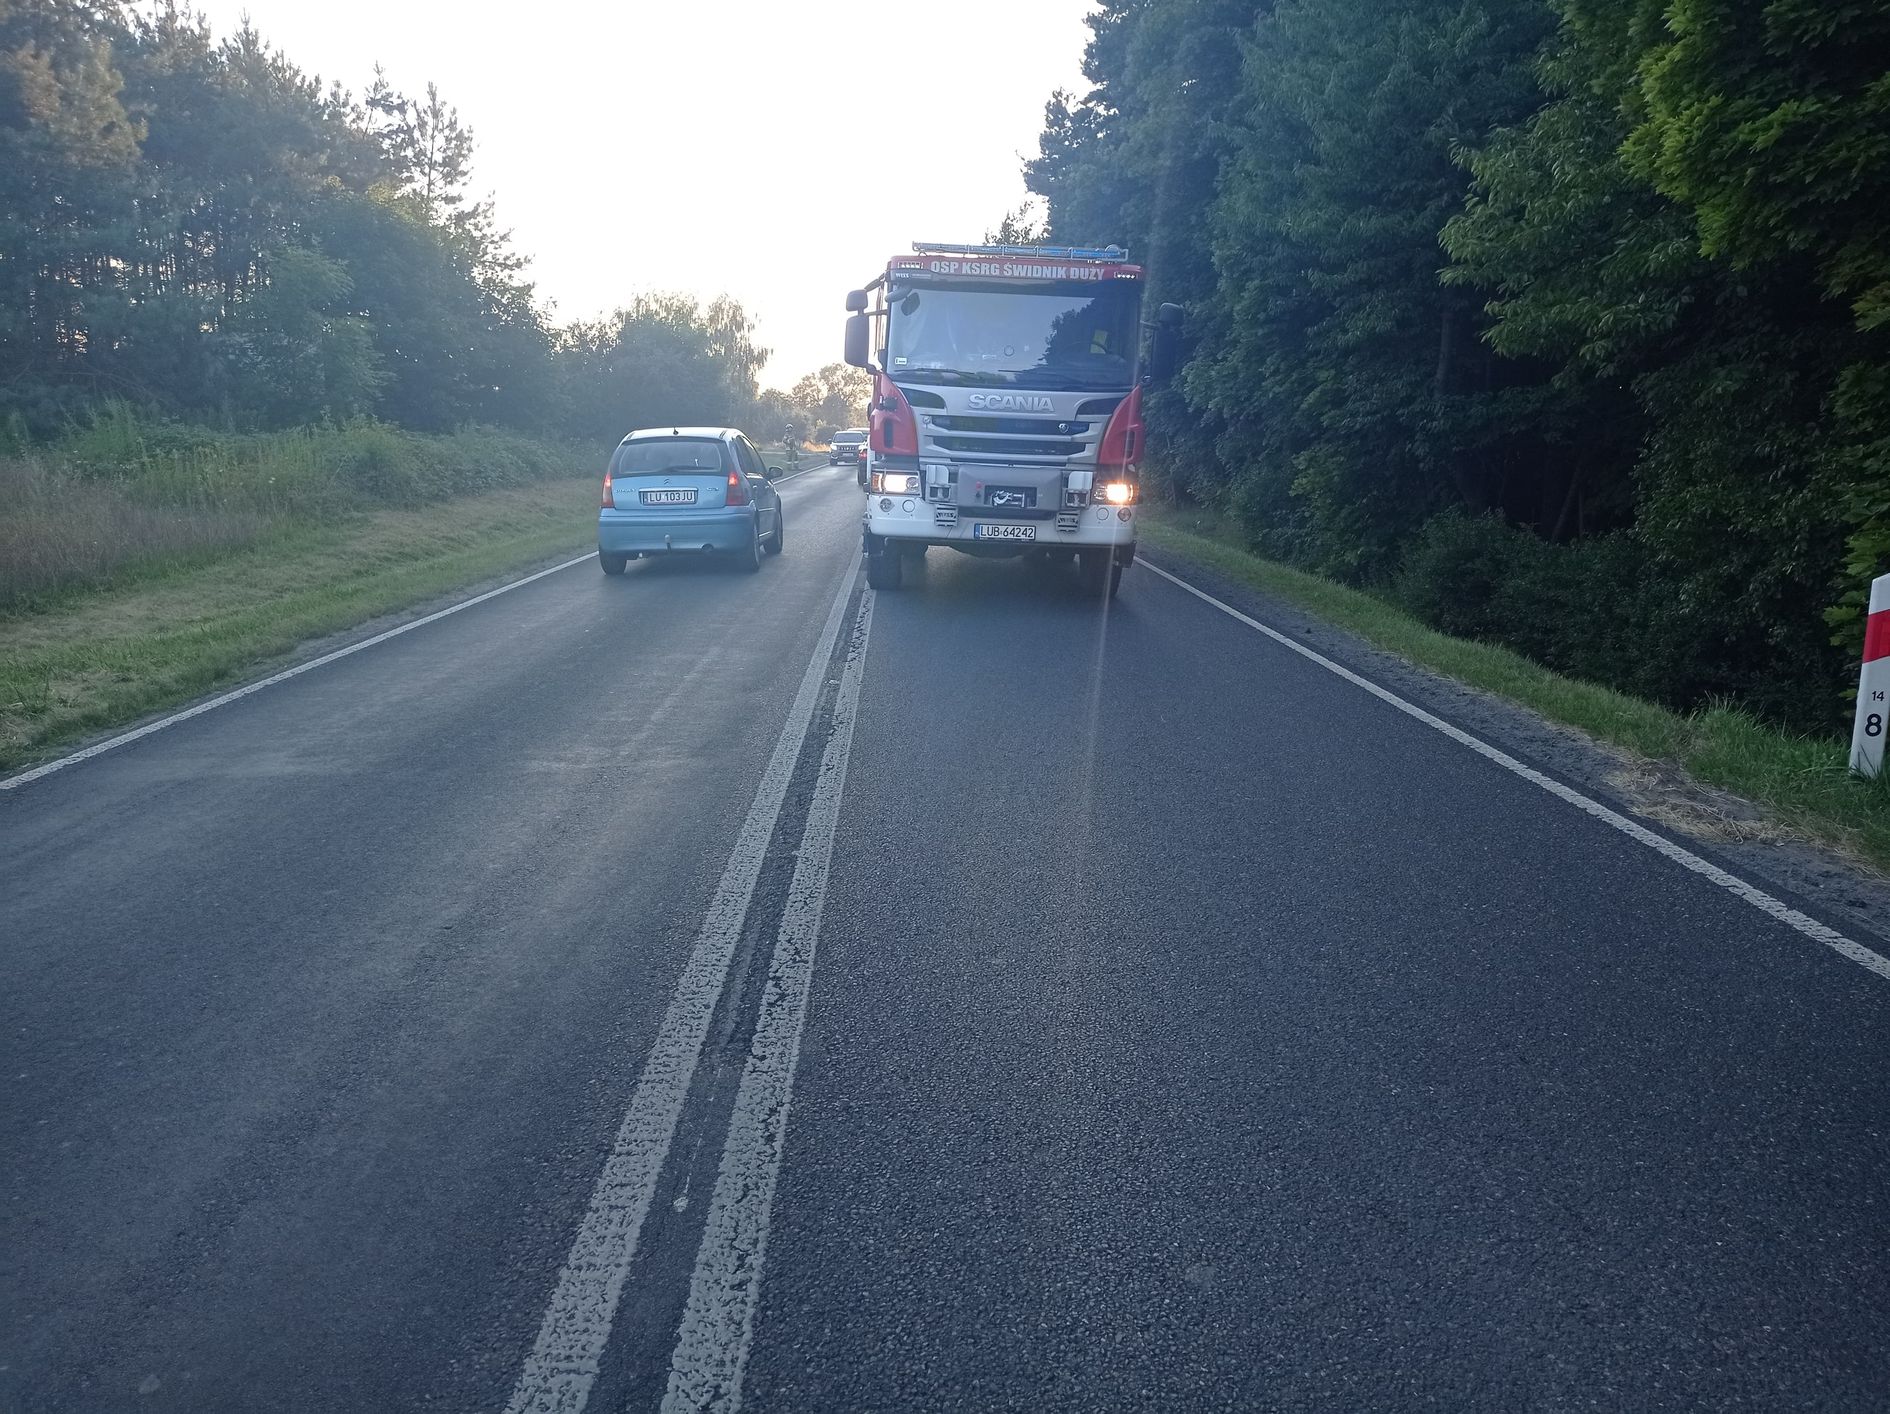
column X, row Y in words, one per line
column 718, row 1325
column 563, row 1365
column 224, row 699
column 237, row 694
column 1758, row 898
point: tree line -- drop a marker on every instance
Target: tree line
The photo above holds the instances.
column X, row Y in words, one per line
column 197, row 227
column 1563, row 320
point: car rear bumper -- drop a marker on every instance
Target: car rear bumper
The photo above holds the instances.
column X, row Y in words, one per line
column 646, row 533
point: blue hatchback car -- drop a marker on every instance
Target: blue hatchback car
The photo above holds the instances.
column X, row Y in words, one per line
column 688, row 490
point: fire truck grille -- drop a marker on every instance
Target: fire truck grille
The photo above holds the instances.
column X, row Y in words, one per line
column 1007, row 446
column 1008, row 426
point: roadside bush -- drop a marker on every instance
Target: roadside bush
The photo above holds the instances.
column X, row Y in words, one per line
column 383, row 467
column 1599, row 609
column 1456, row 570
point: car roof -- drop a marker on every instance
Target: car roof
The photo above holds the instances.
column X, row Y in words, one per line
column 717, row 434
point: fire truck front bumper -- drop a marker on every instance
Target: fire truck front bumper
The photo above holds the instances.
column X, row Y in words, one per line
column 912, row 520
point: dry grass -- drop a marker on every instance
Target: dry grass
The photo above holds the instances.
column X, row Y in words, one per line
column 125, row 498
column 63, row 530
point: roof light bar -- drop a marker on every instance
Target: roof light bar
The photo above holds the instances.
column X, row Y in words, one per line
column 1042, row 252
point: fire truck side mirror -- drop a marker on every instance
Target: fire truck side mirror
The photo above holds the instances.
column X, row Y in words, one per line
column 857, row 336
column 856, row 301
column 1163, row 349
column 1164, row 353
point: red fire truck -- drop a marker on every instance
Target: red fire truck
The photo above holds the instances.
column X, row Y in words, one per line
column 1007, row 405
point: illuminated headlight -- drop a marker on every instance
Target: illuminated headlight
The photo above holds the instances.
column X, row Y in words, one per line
column 1117, row 493
column 896, row 483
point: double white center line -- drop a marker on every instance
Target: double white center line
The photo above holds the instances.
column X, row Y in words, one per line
column 712, row 1348
column 713, row 1345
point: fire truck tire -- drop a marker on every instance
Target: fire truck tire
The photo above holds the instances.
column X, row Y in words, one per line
column 885, row 570
column 1099, row 573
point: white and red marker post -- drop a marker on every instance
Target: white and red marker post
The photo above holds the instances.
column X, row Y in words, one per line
column 1873, row 684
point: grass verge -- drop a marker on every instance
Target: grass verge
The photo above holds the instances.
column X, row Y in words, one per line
column 91, row 660
column 1803, row 782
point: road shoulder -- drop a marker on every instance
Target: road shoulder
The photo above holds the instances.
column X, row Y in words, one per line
column 1733, row 831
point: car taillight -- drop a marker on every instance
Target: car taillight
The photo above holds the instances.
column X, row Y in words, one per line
column 737, row 490
column 610, row 496
column 1121, row 439
column 895, row 430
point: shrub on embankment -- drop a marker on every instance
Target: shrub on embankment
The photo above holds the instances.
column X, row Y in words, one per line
column 1608, row 610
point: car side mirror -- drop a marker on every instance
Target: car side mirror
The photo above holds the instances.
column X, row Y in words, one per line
column 773, row 473
column 857, row 336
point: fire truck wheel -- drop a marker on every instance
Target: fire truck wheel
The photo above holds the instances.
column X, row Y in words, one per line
column 886, row 569
column 1099, row 573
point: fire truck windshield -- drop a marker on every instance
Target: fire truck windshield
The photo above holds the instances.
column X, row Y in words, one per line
column 1060, row 336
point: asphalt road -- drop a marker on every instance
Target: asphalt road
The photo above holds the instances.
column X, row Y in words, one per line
column 1168, row 1023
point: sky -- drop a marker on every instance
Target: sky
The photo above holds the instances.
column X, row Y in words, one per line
column 778, row 152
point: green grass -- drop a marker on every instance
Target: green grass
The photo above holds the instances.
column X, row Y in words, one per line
column 1803, row 783
column 87, row 659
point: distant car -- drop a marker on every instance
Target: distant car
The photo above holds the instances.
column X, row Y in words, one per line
column 859, row 463
column 845, row 447
column 688, row 490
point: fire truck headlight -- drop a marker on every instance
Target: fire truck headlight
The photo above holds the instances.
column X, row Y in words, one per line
column 1118, row 493
column 896, row 483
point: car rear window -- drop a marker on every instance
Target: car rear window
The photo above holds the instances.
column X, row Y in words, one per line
column 661, row 454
